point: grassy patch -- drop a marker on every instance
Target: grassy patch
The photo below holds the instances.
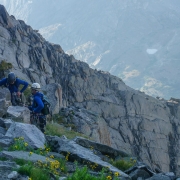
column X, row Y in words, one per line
column 33, row 172
column 83, row 173
column 20, row 162
column 5, row 65
column 3, row 159
column 58, row 119
column 19, row 145
column 57, row 130
column 123, row 164
column 27, row 92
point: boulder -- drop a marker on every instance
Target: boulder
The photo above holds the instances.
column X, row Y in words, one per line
column 159, row 176
column 32, row 135
column 81, row 154
column 5, row 141
column 7, row 123
column 2, row 130
column 139, row 173
column 104, row 149
column 13, row 175
column 24, row 155
column 19, row 113
column 2, row 122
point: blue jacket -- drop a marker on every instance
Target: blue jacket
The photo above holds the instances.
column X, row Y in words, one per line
column 14, row 87
column 37, row 105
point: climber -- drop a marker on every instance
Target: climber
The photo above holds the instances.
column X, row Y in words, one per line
column 37, row 107
column 12, row 83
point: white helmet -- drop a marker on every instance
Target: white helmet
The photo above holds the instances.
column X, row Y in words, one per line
column 35, row 86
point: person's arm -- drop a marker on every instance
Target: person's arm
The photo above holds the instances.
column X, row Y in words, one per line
column 40, row 105
column 23, row 83
column 3, row 81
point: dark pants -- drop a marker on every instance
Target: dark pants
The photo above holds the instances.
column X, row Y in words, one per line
column 39, row 120
column 42, row 123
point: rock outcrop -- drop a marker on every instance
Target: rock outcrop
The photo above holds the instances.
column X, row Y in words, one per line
column 103, row 106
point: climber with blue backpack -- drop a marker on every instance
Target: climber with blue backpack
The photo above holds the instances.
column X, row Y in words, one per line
column 39, row 108
column 13, row 83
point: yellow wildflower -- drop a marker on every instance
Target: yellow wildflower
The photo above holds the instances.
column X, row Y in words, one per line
column 109, row 177
column 30, row 153
column 52, row 156
column 116, row 174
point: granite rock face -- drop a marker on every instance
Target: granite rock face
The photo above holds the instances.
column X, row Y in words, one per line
column 103, row 106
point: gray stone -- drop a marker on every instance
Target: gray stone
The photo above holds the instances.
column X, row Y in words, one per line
column 4, row 174
column 56, row 155
column 19, row 113
column 7, row 123
column 2, row 130
column 139, row 173
column 13, row 175
column 32, row 135
column 104, row 149
column 71, row 167
column 5, row 99
column 6, row 141
column 159, row 177
column 24, row 155
column 140, row 178
column 171, row 175
column 62, row 178
column 6, row 165
column 2, row 123
column 3, row 107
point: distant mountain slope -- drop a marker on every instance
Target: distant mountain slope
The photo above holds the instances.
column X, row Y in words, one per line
column 136, row 40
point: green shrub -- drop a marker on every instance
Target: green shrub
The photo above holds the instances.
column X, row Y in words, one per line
column 27, row 92
column 83, row 173
column 39, row 174
column 5, row 65
column 3, row 159
column 19, row 145
column 34, row 173
column 58, row 119
column 25, row 169
column 123, row 164
column 20, row 162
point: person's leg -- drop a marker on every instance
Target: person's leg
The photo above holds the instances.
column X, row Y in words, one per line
column 42, row 123
column 13, row 99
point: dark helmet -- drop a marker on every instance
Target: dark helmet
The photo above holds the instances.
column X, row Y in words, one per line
column 11, row 77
